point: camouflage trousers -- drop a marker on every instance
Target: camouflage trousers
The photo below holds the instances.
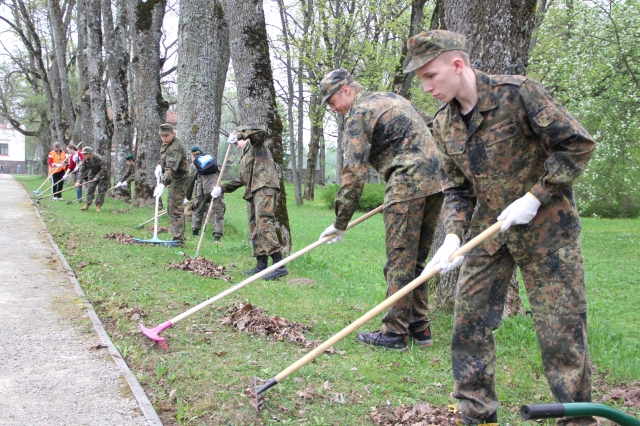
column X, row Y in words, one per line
column 200, row 208
column 175, row 209
column 556, row 292
column 409, row 227
column 91, row 189
column 261, row 215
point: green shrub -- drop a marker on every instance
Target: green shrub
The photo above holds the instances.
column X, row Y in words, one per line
column 372, row 196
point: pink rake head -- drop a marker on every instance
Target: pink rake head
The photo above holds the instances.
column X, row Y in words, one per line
column 153, row 333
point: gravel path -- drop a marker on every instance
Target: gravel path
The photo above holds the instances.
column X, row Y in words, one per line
column 56, row 363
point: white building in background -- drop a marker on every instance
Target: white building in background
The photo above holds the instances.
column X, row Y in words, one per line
column 12, row 150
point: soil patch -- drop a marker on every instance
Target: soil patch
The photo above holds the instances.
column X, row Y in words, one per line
column 254, row 320
column 120, row 237
column 302, row 281
column 629, row 397
column 422, row 414
column 200, row 266
column 124, row 210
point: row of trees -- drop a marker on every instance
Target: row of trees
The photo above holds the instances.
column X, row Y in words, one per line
column 76, row 57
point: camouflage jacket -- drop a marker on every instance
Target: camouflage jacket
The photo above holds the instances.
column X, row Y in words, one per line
column 386, row 131
column 130, row 174
column 519, row 139
column 200, row 184
column 173, row 160
column 92, row 169
column 257, row 170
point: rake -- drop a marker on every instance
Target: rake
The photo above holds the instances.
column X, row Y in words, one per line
column 204, row 227
column 64, row 190
column 375, row 311
column 37, row 191
column 155, row 239
column 154, row 333
column 163, row 212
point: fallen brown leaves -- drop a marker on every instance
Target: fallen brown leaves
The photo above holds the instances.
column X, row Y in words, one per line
column 161, row 230
column 423, row 414
column 630, row 397
column 200, row 266
column 120, row 237
column 254, row 320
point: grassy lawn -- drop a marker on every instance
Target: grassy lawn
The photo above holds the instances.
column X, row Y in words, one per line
column 208, row 365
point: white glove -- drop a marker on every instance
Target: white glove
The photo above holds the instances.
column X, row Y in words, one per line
column 120, row 184
column 440, row 260
column 185, row 202
column 158, row 191
column 332, row 230
column 520, row 212
column 216, row 192
column 233, row 138
column 158, row 171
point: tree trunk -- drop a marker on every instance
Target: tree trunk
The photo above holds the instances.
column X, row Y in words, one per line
column 316, row 112
column 256, row 94
column 56, row 103
column 58, row 33
column 498, row 37
column 322, row 158
column 101, row 125
column 84, row 127
column 117, row 58
column 145, row 22
column 203, row 55
column 401, row 81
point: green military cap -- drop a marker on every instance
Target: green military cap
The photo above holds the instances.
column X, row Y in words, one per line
column 129, row 157
column 255, row 133
column 87, row 150
column 196, row 149
column 165, row 129
column 334, row 81
column 427, row 45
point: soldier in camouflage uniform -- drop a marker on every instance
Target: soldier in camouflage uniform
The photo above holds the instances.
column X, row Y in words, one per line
column 259, row 176
column 510, row 151
column 199, row 188
column 93, row 168
column 130, row 174
column 174, row 173
column 387, row 132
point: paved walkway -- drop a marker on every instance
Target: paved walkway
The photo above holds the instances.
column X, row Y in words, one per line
column 57, row 366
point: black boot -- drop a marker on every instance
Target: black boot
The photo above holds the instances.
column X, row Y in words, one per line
column 280, row 272
column 195, row 232
column 261, row 266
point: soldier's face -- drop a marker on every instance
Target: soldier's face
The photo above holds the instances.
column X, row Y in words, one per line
column 88, row 156
column 242, row 143
column 129, row 162
column 167, row 137
column 341, row 101
column 441, row 77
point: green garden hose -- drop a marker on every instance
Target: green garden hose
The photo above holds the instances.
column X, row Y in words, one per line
column 576, row 409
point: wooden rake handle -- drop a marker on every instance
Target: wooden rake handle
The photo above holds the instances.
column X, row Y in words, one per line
column 163, row 212
column 381, row 307
column 210, row 209
column 64, row 190
column 271, row 268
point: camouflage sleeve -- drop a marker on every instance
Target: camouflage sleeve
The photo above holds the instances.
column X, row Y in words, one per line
column 130, row 175
column 569, row 145
column 354, row 171
column 233, row 185
column 172, row 161
column 459, row 197
column 82, row 171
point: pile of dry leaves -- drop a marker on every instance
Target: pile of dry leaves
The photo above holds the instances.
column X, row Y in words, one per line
column 422, row 414
column 200, row 266
column 161, row 230
column 254, row 320
column 120, row 237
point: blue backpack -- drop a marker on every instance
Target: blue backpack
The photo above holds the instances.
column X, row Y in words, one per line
column 206, row 164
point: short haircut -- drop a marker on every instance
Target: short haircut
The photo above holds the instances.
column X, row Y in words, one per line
column 451, row 54
column 56, row 144
column 72, row 146
column 355, row 86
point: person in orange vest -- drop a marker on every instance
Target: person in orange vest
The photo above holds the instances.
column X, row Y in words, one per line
column 57, row 166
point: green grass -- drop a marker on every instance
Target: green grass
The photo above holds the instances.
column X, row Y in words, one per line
column 210, row 365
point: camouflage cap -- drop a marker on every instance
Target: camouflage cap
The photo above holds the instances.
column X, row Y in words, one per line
column 165, row 128
column 333, row 81
column 427, row 45
column 129, row 157
column 254, row 133
column 196, row 149
column 87, row 150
